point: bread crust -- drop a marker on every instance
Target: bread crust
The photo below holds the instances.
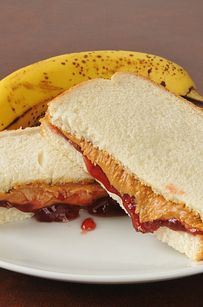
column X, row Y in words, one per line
column 149, row 205
column 184, row 100
column 197, row 108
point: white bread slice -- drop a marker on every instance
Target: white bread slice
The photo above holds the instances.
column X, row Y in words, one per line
column 26, row 157
column 185, row 243
column 155, row 135
column 13, row 215
column 59, row 142
column 151, row 132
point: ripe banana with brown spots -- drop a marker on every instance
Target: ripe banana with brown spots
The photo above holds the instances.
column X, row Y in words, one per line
column 24, row 94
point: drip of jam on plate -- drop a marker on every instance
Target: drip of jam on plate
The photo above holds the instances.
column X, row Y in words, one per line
column 88, row 224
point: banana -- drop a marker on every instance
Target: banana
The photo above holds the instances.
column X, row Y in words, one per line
column 30, row 118
column 24, row 94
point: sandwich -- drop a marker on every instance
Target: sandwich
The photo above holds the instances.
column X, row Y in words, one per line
column 38, row 181
column 144, row 146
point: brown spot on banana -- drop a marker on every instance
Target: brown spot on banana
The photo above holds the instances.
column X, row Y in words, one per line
column 163, row 83
column 46, row 85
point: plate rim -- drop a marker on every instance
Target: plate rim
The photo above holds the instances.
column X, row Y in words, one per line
column 102, row 279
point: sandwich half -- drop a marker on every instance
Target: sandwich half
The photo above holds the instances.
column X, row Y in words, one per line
column 144, row 146
column 36, row 180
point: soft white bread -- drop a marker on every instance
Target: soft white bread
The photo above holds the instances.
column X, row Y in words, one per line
column 27, row 157
column 58, row 141
column 151, row 132
column 13, row 215
column 154, row 135
column 185, row 243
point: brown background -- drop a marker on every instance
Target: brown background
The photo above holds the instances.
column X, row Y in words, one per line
column 34, row 30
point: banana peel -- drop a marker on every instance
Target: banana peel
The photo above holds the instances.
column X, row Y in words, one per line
column 24, row 94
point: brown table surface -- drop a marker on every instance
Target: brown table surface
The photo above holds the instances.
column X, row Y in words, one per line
column 34, row 30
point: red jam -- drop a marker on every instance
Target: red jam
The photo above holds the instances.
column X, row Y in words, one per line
column 130, row 205
column 128, row 201
column 88, row 225
column 105, row 206
column 57, row 213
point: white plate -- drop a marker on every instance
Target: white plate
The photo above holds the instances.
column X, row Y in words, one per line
column 113, row 253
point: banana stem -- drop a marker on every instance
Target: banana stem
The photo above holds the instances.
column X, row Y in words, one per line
column 193, row 94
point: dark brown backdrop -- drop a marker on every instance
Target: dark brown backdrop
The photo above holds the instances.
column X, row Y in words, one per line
column 34, row 30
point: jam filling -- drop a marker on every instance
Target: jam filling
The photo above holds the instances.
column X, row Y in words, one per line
column 128, row 202
column 88, row 225
column 57, row 213
column 130, row 205
column 104, row 207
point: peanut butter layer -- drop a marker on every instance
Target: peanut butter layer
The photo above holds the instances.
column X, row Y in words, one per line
column 149, row 205
column 29, row 197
